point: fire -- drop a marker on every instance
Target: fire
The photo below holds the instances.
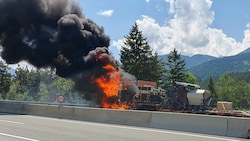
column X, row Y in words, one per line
column 111, row 84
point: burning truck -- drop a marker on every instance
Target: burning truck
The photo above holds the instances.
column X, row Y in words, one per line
column 149, row 96
column 180, row 96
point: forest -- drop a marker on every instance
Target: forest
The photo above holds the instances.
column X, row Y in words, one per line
column 36, row 85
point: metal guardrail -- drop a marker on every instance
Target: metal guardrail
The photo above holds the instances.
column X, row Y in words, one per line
column 45, row 103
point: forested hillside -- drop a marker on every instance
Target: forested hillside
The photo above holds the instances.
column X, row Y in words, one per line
column 217, row 67
column 241, row 76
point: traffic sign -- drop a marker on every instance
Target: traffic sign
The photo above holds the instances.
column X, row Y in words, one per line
column 60, row 98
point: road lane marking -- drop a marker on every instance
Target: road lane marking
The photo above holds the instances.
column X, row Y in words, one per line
column 145, row 129
column 161, row 131
column 18, row 137
column 8, row 121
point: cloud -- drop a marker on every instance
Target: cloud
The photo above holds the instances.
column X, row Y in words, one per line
column 107, row 13
column 171, row 6
column 189, row 31
column 246, row 40
column 119, row 43
column 22, row 64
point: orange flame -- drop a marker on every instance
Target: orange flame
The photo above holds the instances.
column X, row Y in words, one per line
column 111, row 86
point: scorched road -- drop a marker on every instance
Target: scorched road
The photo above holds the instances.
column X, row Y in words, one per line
column 35, row 128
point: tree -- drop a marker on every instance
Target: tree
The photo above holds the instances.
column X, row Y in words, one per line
column 190, row 78
column 225, row 88
column 211, row 88
column 242, row 95
column 175, row 68
column 156, row 67
column 42, row 79
column 23, row 77
column 65, row 87
column 16, row 92
column 44, row 93
column 5, row 79
column 137, row 57
column 233, row 91
column 35, row 77
column 19, row 88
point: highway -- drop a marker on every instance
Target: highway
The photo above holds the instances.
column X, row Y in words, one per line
column 35, row 128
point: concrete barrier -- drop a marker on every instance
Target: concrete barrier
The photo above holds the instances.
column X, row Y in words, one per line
column 125, row 117
column 13, row 108
column 48, row 110
column 238, row 127
column 208, row 124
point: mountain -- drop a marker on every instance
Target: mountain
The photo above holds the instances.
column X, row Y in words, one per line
column 196, row 60
column 192, row 61
column 245, row 51
column 204, row 66
column 219, row 66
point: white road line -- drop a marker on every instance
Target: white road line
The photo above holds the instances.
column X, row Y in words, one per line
column 163, row 131
column 18, row 137
column 145, row 129
column 8, row 121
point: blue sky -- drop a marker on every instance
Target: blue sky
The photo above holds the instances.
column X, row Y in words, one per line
column 212, row 27
column 217, row 28
column 231, row 16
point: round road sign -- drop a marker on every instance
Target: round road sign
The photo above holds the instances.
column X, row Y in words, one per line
column 60, row 98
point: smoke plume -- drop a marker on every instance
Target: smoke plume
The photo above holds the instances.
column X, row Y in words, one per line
column 56, row 34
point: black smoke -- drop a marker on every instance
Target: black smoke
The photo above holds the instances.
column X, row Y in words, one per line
column 55, row 34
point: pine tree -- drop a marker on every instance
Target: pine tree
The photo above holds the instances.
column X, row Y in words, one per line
column 211, row 88
column 137, row 57
column 176, row 68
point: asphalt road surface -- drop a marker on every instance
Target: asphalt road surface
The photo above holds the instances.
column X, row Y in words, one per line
column 35, row 128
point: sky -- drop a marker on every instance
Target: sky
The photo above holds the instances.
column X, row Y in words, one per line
column 210, row 27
